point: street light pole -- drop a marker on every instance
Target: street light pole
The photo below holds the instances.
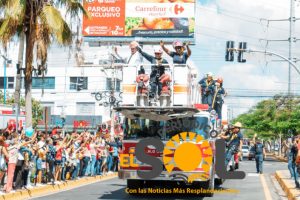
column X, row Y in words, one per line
column 278, row 55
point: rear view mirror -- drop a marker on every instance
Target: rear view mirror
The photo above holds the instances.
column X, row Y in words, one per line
column 213, row 133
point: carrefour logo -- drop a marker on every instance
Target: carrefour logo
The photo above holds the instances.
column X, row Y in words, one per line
column 178, row 9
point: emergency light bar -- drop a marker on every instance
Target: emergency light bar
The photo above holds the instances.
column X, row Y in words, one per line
column 202, row 107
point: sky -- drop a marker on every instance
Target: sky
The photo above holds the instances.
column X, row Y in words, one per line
column 218, row 21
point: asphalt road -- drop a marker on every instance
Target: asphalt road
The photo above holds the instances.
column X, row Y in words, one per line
column 254, row 186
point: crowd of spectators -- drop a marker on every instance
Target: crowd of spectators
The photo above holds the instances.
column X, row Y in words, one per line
column 44, row 158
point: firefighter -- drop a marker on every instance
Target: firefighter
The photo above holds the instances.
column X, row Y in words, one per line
column 218, row 98
column 207, row 89
column 179, row 55
column 157, row 70
column 259, row 155
column 235, row 142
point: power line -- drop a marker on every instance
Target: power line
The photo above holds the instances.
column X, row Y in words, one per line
column 241, row 19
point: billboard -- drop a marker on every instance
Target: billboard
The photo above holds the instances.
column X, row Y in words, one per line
column 139, row 18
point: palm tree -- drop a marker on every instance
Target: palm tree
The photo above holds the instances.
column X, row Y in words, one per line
column 42, row 23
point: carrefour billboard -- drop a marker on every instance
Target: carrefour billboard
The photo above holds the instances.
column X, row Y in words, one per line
column 139, row 18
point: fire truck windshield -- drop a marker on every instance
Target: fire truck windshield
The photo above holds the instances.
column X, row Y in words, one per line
column 141, row 128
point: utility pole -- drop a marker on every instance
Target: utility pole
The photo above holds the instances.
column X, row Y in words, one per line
column 18, row 77
column 113, row 87
column 292, row 39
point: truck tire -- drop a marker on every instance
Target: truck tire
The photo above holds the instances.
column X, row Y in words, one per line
column 219, row 181
column 211, row 185
column 134, row 184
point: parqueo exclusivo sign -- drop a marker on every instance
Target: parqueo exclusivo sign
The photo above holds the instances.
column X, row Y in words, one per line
column 136, row 18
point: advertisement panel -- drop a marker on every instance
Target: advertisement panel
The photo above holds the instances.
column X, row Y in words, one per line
column 136, row 18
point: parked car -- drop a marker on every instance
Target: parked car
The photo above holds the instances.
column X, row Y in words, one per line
column 245, row 151
column 276, row 147
column 251, row 153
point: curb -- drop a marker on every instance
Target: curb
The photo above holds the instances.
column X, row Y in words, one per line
column 48, row 189
column 291, row 191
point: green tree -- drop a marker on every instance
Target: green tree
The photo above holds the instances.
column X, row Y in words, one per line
column 272, row 117
column 37, row 109
column 42, row 23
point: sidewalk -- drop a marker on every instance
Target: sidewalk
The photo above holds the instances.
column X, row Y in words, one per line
column 48, row 189
column 280, row 158
column 288, row 184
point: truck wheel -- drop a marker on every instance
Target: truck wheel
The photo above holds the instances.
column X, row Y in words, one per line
column 134, row 184
column 219, row 181
column 211, row 183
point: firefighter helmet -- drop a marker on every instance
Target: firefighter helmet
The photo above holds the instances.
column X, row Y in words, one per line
column 177, row 44
column 220, row 80
column 209, row 74
column 158, row 50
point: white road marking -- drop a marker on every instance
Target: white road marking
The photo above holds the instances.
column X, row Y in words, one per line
column 253, row 174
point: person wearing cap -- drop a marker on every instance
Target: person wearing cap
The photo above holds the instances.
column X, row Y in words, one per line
column 157, row 69
column 235, row 142
column 179, row 55
column 218, row 97
column 135, row 59
column 207, row 89
column 259, row 155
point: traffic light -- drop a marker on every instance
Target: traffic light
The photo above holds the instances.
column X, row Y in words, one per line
column 229, row 51
column 80, row 83
column 18, row 68
column 241, row 50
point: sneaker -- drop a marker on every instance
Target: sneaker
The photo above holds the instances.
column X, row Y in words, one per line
column 27, row 187
column 231, row 168
column 260, row 172
column 39, row 184
column 236, row 166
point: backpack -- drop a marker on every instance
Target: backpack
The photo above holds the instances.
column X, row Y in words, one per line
column 259, row 148
column 51, row 153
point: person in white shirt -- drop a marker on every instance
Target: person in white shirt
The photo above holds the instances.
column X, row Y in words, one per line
column 135, row 59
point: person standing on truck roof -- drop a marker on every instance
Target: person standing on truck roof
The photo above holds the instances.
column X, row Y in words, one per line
column 259, row 155
column 207, row 89
column 135, row 59
column 179, row 55
column 218, row 98
column 235, row 142
column 157, row 69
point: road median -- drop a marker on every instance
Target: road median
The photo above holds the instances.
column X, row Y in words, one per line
column 48, row 189
column 287, row 184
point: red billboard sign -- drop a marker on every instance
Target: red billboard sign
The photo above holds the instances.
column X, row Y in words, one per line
column 139, row 18
column 106, row 18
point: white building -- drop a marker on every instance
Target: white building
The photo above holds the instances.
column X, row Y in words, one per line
column 58, row 89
